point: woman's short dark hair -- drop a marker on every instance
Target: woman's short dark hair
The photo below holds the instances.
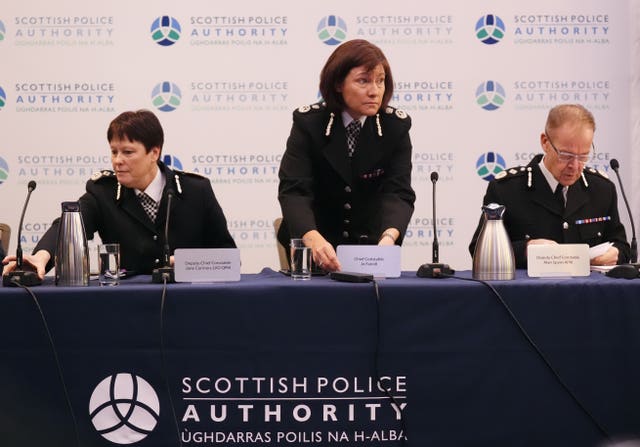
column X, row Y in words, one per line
column 351, row 54
column 141, row 125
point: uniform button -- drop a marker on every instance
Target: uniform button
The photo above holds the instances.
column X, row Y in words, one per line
column 347, row 188
column 565, row 225
column 346, row 221
column 347, row 206
column 345, row 234
column 157, row 261
column 155, row 237
column 527, row 237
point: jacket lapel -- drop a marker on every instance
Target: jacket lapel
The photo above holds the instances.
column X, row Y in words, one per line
column 576, row 198
column 131, row 205
column 541, row 193
column 369, row 149
column 336, row 151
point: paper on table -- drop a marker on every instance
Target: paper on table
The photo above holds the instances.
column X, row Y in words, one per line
column 601, row 268
column 599, row 249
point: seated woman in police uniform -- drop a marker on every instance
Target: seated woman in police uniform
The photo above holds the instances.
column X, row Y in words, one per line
column 128, row 205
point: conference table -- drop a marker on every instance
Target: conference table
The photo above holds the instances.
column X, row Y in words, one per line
column 269, row 361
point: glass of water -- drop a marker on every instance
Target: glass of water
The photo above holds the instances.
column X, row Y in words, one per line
column 109, row 264
column 300, row 259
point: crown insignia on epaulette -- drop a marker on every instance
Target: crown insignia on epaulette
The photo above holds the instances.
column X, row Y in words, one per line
column 105, row 173
column 401, row 114
column 597, row 172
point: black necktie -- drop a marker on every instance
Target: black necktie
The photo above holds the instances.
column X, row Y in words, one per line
column 353, row 131
column 560, row 195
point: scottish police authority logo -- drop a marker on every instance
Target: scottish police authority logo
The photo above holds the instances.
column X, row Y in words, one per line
column 166, row 96
column 165, row 31
column 4, row 170
column 172, row 161
column 570, row 28
column 234, row 30
column 332, row 30
column 489, row 165
column 3, row 31
column 416, row 29
column 3, row 98
column 78, row 96
column 543, row 93
column 124, row 408
column 63, row 30
column 490, row 29
column 490, row 95
column 420, row 231
column 238, row 96
column 410, row 95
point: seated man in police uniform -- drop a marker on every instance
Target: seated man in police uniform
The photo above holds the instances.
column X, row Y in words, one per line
column 129, row 204
column 555, row 198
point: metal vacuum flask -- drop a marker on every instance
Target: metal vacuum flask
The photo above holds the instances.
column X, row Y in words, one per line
column 72, row 251
column 493, row 257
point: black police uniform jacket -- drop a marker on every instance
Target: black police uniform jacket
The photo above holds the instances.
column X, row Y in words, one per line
column 348, row 200
column 196, row 219
column 532, row 211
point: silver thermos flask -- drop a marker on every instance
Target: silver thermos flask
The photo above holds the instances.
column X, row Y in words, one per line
column 493, row 257
column 72, row 251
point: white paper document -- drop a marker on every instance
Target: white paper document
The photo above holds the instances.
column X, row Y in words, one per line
column 599, row 249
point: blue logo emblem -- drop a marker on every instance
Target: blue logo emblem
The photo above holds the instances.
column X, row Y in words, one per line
column 490, row 95
column 4, row 171
column 3, row 98
column 172, row 161
column 3, row 31
column 489, row 165
column 166, row 96
column 332, row 30
column 165, row 31
column 490, row 29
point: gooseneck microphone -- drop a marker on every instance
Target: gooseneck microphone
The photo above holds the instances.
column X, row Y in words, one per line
column 632, row 269
column 166, row 272
column 434, row 269
column 435, row 247
column 634, row 244
column 19, row 276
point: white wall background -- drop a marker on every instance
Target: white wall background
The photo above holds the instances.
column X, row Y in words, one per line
column 68, row 68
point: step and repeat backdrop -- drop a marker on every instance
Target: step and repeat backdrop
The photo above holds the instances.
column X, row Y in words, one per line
column 477, row 78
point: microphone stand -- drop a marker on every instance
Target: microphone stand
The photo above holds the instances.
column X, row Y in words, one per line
column 19, row 276
column 434, row 269
column 619, row 271
column 165, row 273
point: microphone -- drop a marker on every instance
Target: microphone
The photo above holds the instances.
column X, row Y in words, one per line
column 632, row 269
column 166, row 272
column 434, row 269
column 19, row 276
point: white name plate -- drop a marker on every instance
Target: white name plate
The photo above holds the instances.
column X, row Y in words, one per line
column 206, row 264
column 381, row 261
column 550, row 260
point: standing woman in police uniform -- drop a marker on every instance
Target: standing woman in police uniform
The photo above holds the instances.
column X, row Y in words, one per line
column 129, row 204
column 345, row 177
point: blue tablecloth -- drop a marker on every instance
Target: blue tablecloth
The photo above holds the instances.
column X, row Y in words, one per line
column 269, row 361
